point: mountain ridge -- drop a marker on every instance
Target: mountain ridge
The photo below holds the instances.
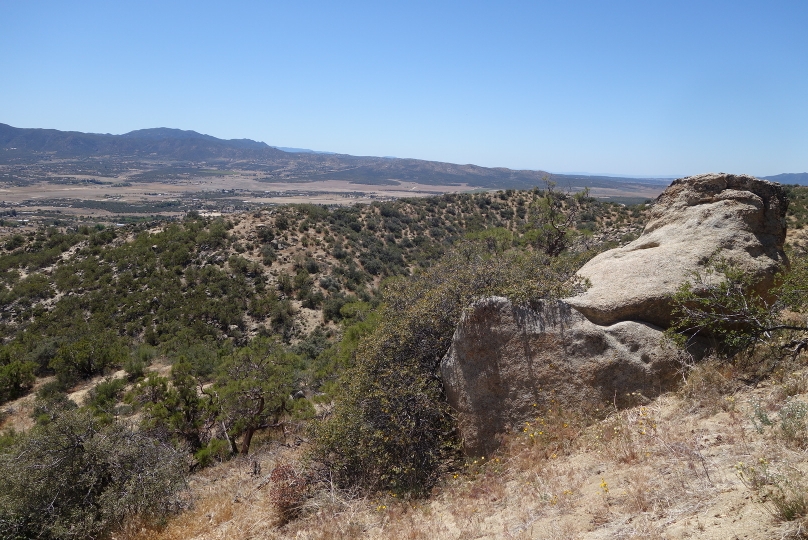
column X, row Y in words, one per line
column 28, row 145
column 166, row 143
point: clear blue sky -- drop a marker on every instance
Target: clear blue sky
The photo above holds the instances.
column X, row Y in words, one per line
column 622, row 87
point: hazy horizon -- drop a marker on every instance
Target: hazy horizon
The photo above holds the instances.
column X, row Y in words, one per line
column 582, row 173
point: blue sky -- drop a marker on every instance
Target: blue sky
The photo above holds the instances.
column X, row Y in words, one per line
column 620, row 87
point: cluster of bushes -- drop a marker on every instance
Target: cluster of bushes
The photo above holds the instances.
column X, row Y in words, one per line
column 252, row 389
column 722, row 305
column 391, row 428
column 78, row 477
column 82, row 472
column 170, row 289
column 797, row 206
column 130, row 294
column 390, row 238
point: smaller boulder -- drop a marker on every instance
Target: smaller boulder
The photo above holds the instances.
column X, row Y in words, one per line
column 508, row 364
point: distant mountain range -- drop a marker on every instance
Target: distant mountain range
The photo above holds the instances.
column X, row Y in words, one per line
column 162, row 143
column 169, row 147
column 301, row 150
column 789, row 178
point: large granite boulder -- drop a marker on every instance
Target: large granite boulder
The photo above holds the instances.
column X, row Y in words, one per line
column 506, row 364
column 738, row 217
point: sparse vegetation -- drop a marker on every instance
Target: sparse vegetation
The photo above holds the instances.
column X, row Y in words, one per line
column 261, row 322
column 721, row 304
column 391, row 428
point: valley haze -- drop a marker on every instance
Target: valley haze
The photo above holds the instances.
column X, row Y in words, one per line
column 163, row 172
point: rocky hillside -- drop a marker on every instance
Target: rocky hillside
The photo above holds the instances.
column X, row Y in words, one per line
column 285, row 271
column 720, row 455
column 295, row 359
column 606, row 344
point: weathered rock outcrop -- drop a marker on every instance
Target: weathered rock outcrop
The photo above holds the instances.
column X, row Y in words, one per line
column 506, row 364
column 738, row 217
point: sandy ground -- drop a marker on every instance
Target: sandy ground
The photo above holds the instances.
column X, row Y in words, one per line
column 668, row 470
column 331, row 191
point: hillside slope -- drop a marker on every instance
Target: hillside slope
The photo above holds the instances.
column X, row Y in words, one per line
column 695, row 464
column 172, row 302
column 282, row 271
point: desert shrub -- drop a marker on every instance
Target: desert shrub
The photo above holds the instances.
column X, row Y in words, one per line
column 793, row 420
column 553, row 216
column 391, row 428
column 287, row 489
column 77, row 478
column 720, row 303
column 268, row 255
column 332, row 306
column 204, row 356
column 135, row 368
column 709, row 385
column 216, row 451
column 14, row 242
column 792, row 384
column 88, row 356
column 16, row 376
column 285, row 284
column 176, row 411
column 7, row 438
column 51, row 404
column 358, row 320
column 310, row 347
column 282, row 318
column 105, row 395
column 760, row 416
column 782, row 490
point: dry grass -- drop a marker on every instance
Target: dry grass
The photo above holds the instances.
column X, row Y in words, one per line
column 669, row 469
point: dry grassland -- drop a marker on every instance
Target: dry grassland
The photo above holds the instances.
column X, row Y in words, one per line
column 694, row 464
column 324, row 192
column 248, row 190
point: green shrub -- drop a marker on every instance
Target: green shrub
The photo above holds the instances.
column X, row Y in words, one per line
column 88, row 356
column 391, row 427
column 16, row 377
column 216, row 451
column 782, row 490
column 332, row 306
column 77, row 478
column 51, row 405
column 253, row 389
column 176, row 411
column 103, row 398
column 135, row 368
column 7, row 438
column 14, row 242
column 751, row 329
